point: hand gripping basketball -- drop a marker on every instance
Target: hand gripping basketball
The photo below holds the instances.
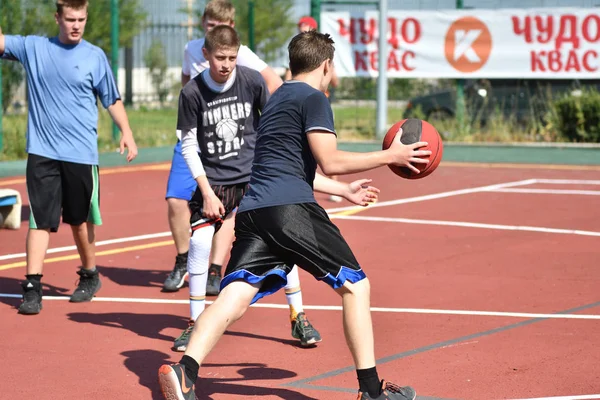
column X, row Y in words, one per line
column 407, row 154
column 420, row 148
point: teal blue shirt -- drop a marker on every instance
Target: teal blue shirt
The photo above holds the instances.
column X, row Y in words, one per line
column 64, row 83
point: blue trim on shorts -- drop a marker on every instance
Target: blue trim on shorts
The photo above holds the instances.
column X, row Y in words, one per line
column 345, row 274
column 251, row 278
column 180, row 185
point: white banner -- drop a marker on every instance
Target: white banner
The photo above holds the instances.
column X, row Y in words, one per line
column 503, row 43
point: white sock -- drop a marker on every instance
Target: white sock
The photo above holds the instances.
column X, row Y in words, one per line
column 197, row 266
column 197, row 294
column 293, row 293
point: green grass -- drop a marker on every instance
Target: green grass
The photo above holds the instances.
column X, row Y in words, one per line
column 153, row 128
column 359, row 122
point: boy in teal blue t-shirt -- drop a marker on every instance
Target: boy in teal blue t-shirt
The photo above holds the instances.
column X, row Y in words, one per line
column 65, row 76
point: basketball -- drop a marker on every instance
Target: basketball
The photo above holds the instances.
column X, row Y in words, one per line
column 416, row 130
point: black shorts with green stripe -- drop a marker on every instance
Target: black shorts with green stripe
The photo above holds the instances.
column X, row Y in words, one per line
column 58, row 187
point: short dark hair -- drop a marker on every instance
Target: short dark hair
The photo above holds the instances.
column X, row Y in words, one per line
column 308, row 50
column 74, row 4
column 221, row 36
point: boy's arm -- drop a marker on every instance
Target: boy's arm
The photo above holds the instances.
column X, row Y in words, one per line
column 1, row 42
column 212, row 206
column 332, row 161
column 358, row 192
column 185, row 79
column 119, row 116
column 319, row 127
column 249, row 59
column 186, row 66
column 273, row 80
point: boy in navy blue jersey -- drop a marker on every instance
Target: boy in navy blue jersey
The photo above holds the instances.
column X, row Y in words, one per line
column 279, row 223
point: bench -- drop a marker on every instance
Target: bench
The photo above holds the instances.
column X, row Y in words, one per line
column 10, row 209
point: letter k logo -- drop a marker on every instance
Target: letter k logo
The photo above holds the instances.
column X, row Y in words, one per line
column 464, row 44
column 468, row 44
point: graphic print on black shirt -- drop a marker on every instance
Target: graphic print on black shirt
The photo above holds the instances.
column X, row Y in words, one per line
column 223, row 125
column 226, row 123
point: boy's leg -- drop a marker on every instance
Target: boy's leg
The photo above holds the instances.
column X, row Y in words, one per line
column 85, row 240
column 81, row 210
column 302, row 329
column 316, row 245
column 358, row 326
column 221, row 247
column 45, row 196
column 210, row 239
column 180, row 188
column 197, row 268
column 251, row 265
column 178, row 381
column 358, row 330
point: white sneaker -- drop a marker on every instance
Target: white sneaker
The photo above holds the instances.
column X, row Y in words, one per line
column 335, row 199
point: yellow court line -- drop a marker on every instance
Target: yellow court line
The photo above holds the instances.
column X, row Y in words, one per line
column 100, row 253
column 352, row 211
column 108, row 171
column 135, row 248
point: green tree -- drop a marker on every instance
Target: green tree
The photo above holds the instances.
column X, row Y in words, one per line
column 36, row 17
column 156, row 61
column 132, row 19
column 273, row 25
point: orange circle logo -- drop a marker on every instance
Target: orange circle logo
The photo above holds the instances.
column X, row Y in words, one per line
column 468, row 44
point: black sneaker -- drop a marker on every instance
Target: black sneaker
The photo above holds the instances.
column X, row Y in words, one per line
column 182, row 341
column 176, row 278
column 390, row 391
column 213, row 283
column 32, row 298
column 302, row 329
column 174, row 384
column 89, row 284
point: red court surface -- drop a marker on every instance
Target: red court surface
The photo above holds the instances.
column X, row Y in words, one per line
column 485, row 285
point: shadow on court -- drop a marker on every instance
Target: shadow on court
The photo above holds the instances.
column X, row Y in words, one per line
column 134, row 277
column 145, row 364
column 151, row 325
column 289, row 342
column 146, row 325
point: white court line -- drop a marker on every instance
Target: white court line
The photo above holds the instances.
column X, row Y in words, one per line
column 469, row 225
column 101, row 243
column 583, row 397
column 332, row 210
column 568, row 181
column 335, row 308
column 439, row 195
column 549, row 191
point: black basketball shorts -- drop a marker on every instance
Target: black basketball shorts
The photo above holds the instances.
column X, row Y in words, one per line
column 56, row 187
column 230, row 196
column 271, row 240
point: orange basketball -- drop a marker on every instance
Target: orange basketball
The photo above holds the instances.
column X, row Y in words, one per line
column 416, row 130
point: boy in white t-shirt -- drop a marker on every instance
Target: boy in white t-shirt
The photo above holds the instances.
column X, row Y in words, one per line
column 181, row 186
